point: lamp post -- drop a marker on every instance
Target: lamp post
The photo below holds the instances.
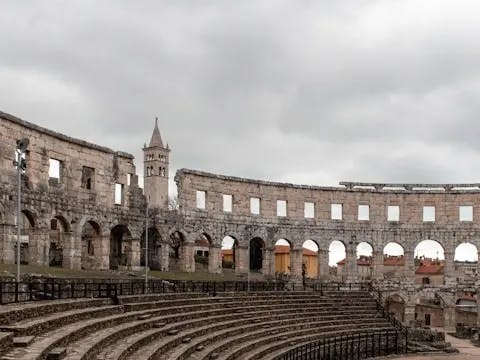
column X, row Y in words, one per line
column 146, row 249
column 21, row 165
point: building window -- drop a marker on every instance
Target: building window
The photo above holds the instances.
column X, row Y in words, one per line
column 129, row 179
column 227, row 203
column 364, row 212
column 54, row 169
column 393, row 213
column 200, row 199
column 466, row 213
column 255, row 206
column 429, row 213
column 281, row 208
column 309, row 210
column 87, row 178
column 118, row 194
column 90, row 249
column 336, row 211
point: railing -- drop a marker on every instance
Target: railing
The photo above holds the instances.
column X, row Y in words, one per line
column 53, row 289
column 349, row 347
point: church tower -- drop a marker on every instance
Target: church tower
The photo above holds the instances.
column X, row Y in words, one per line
column 155, row 172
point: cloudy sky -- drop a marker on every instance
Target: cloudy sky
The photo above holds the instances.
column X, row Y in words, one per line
column 302, row 91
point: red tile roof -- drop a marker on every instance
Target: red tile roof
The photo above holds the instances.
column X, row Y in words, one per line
column 391, row 260
column 430, row 267
column 362, row 261
column 285, row 249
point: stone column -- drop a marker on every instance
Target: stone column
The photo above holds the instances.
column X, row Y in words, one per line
column 409, row 315
column 72, row 252
column 409, row 267
column 188, row 257
column 268, row 264
column 241, row 259
column 215, row 259
column 450, row 277
column 101, row 250
column 8, row 241
column 449, row 318
column 133, row 261
column 351, row 264
column 38, row 247
column 378, row 268
column 323, row 267
column 296, row 261
column 165, row 256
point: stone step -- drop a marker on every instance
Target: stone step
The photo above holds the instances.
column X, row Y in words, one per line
column 23, row 341
column 57, row 353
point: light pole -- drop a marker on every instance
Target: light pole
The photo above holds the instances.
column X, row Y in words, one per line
column 146, row 249
column 21, row 165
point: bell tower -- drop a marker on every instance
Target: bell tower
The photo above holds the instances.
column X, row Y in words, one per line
column 155, row 172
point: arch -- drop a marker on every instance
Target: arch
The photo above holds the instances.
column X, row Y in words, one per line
column 202, row 250
column 310, row 259
column 58, row 227
column 118, row 246
column 176, row 242
column 467, row 252
column 429, row 263
column 364, row 249
column 91, row 242
column 154, row 248
column 337, row 254
column 30, row 217
column 393, row 260
column 229, row 252
column 364, row 252
column 282, row 252
column 257, row 247
column 395, row 304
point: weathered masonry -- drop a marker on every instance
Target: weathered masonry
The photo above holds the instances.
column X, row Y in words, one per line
column 81, row 204
column 258, row 213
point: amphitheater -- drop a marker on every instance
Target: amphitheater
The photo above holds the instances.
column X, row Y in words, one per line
column 82, row 208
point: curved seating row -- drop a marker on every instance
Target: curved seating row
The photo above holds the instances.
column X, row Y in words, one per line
column 184, row 326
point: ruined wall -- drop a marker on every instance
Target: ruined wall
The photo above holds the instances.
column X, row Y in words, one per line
column 447, row 229
column 83, row 194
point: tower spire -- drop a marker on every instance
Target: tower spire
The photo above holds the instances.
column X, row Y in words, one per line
column 156, row 140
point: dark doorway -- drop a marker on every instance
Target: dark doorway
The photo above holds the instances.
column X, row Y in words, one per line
column 256, row 254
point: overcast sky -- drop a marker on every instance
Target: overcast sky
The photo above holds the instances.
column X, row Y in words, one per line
column 302, row 91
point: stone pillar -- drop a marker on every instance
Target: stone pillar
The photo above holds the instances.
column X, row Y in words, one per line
column 409, row 315
column 242, row 260
column 72, row 252
column 133, row 259
column 165, row 256
column 409, row 267
column 323, row 267
column 38, row 247
column 449, row 318
column 215, row 259
column 101, row 250
column 351, row 274
column 450, row 277
column 268, row 264
column 378, row 268
column 188, row 257
column 8, row 241
column 296, row 261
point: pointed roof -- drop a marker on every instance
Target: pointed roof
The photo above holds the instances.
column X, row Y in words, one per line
column 156, row 140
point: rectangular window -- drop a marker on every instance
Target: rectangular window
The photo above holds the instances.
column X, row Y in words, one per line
column 88, row 175
column 118, row 194
column 393, row 213
column 227, row 203
column 281, row 208
column 309, row 210
column 429, row 213
column 54, row 169
column 363, row 212
column 466, row 213
column 129, row 179
column 336, row 211
column 200, row 199
column 255, row 206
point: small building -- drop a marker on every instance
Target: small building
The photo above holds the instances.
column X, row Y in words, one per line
column 429, row 271
column 393, row 266
column 364, row 267
column 283, row 265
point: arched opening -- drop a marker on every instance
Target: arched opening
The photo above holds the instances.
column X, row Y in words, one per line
column 202, row 252
column 58, row 227
column 337, row 253
column 282, row 257
column 466, row 262
column 91, row 246
column 229, row 252
column 429, row 263
column 256, row 254
column 364, row 260
column 393, row 260
column 395, row 305
column 176, row 253
column 27, row 227
column 119, row 246
column 310, row 259
column 154, row 249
